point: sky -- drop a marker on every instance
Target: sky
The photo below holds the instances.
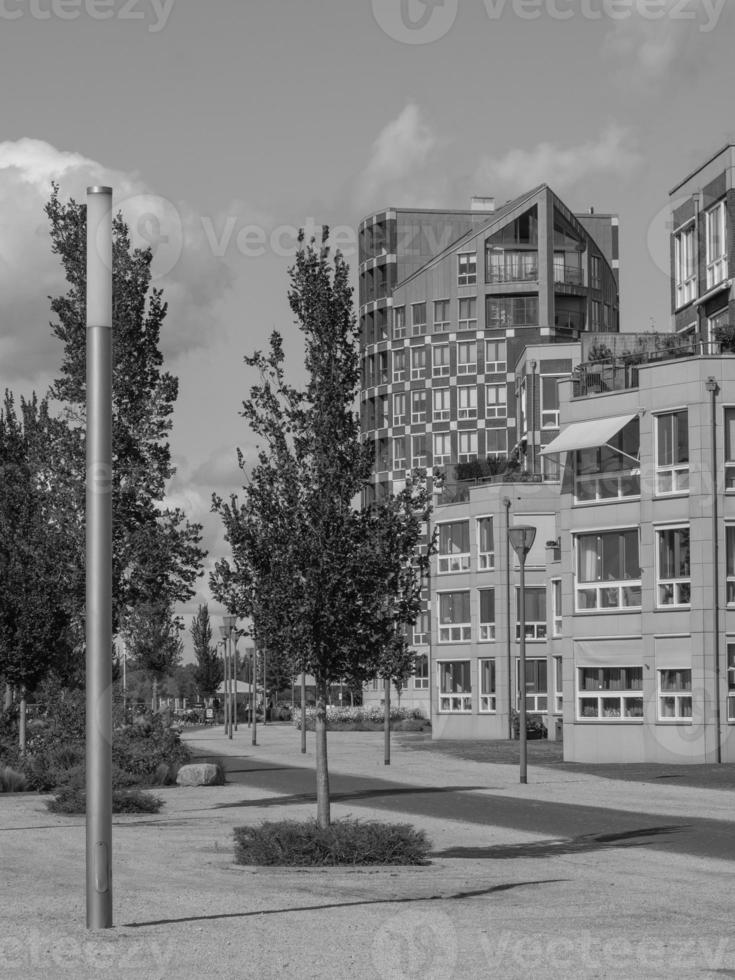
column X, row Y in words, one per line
column 225, row 126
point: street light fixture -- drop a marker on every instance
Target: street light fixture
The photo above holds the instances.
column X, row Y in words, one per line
column 226, row 680
column 521, row 537
column 227, row 630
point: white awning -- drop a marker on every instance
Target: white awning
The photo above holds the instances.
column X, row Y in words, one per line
column 586, row 435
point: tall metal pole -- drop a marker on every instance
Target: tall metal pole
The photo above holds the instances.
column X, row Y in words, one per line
column 234, row 671
column 265, row 689
column 386, row 724
column 99, row 559
column 712, row 386
column 508, row 620
column 522, row 678
column 255, row 686
column 303, row 708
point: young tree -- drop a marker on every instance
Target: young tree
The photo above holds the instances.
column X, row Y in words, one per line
column 209, row 669
column 156, row 554
column 326, row 584
column 153, row 642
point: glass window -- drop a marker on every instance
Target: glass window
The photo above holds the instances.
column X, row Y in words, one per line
column 716, row 236
column 440, row 360
column 672, row 452
column 512, row 311
column 487, row 614
column 488, row 693
column 455, row 685
column 556, row 617
column 400, row 459
column 685, row 266
column 495, row 357
column 510, row 265
column 558, row 675
column 674, row 582
column 467, row 446
column 441, row 315
column 522, row 231
column 467, row 269
column 485, row 544
column 675, row 695
column 441, row 398
column 467, row 357
column 537, row 697
column 418, row 363
column 608, row 571
column 535, row 613
column 399, row 408
column 731, row 681
column 730, row 448
column 610, row 693
column 399, row 365
column 399, row 322
column 421, row 630
column 730, row 562
column 467, row 402
column 421, row 672
column 454, row 617
column 496, row 442
column 442, row 448
column 495, row 401
column 468, row 313
column 418, row 453
column 419, row 400
column 609, row 471
column 454, row 546
column 418, row 319
column 549, row 402
column 595, row 271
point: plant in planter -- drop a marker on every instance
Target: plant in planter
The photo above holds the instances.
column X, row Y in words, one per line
column 535, row 727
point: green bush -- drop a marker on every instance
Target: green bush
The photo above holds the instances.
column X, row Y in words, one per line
column 344, row 842
column 12, row 781
column 72, row 800
column 369, row 718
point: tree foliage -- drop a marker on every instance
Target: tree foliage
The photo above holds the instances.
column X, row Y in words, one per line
column 209, row 669
column 329, row 586
column 152, row 639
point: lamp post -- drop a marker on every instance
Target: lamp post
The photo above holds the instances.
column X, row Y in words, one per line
column 713, row 388
column 227, row 630
column 521, row 537
column 254, row 675
column 225, row 680
column 235, row 672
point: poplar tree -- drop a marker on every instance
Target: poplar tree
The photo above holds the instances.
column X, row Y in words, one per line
column 209, row 670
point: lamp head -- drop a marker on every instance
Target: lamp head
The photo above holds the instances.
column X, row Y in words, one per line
column 229, row 622
column 521, row 538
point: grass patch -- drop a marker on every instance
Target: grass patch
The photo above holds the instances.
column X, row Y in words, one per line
column 344, row 842
column 73, row 799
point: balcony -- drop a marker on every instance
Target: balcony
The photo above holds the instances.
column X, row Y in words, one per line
column 619, row 372
column 569, row 275
column 512, row 267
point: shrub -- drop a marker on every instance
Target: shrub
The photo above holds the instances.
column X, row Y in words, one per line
column 359, row 719
column 344, row 842
column 12, row 781
column 72, row 800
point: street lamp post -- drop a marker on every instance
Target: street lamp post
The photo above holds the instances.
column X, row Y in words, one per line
column 254, row 674
column 234, row 673
column 521, row 537
column 227, row 630
column 225, row 680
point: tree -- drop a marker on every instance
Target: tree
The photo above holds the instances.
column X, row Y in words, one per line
column 156, row 554
column 327, row 585
column 209, row 669
column 153, row 642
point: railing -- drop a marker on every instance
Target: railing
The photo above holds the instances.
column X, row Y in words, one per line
column 620, row 374
column 570, row 275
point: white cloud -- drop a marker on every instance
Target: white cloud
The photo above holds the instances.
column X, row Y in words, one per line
column 613, row 153
column 400, row 165
column 192, row 277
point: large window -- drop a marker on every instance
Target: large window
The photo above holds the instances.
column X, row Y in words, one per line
column 730, row 562
column 716, row 245
column 467, row 313
column 485, row 544
column 455, row 625
column 418, row 319
column 440, row 361
column 730, row 448
column 399, row 408
column 609, row 471
column 675, row 694
column 488, row 695
column 441, row 315
column 608, row 571
column 610, row 693
column 455, row 685
column 550, row 401
column 685, row 266
column 496, row 442
column 418, row 450
column 731, row 681
column 535, row 613
column 556, row 617
column 419, row 401
column 512, row 311
column 495, row 401
column 399, row 365
column 421, row 672
column 495, row 357
column 400, row 456
column 467, row 402
column 442, row 448
column 421, row 631
column 418, row 363
column 467, row 357
column 595, row 272
column 672, row 452
column 674, row 574
column 454, row 547
column 536, row 691
column 467, row 446
column 441, row 399
column 510, row 265
column 558, row 688
column 399, row 322
column 487, row 614
column 467, row 269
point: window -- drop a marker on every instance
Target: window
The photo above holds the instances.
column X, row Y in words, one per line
column 608, row 571
column 535, row 613
column 556, row 617
column 495, row 357
column 510, row 265
column 685, row 266
column 675, row 695
column 674, row 582
column 595, row 315
column 595, row 271
column 467, row 402
column 454, row 547
column 441, row 398
column 609, row 471
column 418, row 319
column 441, row 315
column 487, row 685
column 418, row 363
column 383, row 367
column 440, row 361
column 730, row 562
column 468, row 313
column 558, row 675
column 442, row 449
column 467, row 357
column 716, row 245
column 399, row 365
column 455, row 686
column 715, row 323
column 672, row 452
column 730, row 449
column 418, row 451
column 549, row 402
column 467, row 269
column 487, row 614
column 467, row 446
column 454, row 617
column 399, row 322
column 731, row 681
column 399, row 453
column 496, row 442
column 399, row 408
column 419, row 401
column 421, row 630
column 485, row 544
column 383, row 412
column 421, row 672
column 537, row 698
column 619, row 693
column 512, row 311
column 495, row 401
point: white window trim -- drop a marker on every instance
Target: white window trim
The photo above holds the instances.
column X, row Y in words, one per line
column 441, row 414
column 556, row 614
column 558, row 689
column 619, row 585
column 485, row 559
column 686, row 289
column 451, row 632
column 673, row 583
column 488, row 700
column 469, row 277
column 449, row 564
column 622, row 697
column 537, row 631
column 679, row 696
column 455, row 703
column 675, row 470
column 716, row 265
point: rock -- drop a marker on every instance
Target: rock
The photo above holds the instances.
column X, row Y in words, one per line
column 201, row 774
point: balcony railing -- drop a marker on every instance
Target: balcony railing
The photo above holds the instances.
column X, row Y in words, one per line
column 621, row 372
column 570, row 275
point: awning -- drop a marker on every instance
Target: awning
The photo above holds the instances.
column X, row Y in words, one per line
column 587, row 435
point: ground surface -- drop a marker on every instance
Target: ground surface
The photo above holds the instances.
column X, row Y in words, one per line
column 554, row 894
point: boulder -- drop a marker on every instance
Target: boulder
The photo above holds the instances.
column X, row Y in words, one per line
column 199, row 774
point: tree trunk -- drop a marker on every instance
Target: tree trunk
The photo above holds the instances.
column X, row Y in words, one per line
column 154, row 696
column 8, row 698
column 22, row 722
column 386, row 721
column 322, row 771
column 303, row 709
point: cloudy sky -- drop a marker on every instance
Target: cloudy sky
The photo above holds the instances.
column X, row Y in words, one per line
column 224, row 126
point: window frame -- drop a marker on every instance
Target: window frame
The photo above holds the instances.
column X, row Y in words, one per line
column 441, row 326
column 421, row 680
column 418, row 326
column 469, row 322
column 450, row 632
column 537, row 630
column 557, row 620
column 399, row 322
column 468, row 365
column 466, row 412
column 623, row 694
column 496, row 409
column 400, row 462
column 488, row 700
column 685, row 265
column 419, row 415
column 442, row 414
column 678, row 695
column 537, row 700
column 442, row 459
column 440, row 361
column 496, row 366
column 601, row 585
column 399, row 418
column 487, row 627
column 454, row 701
column 485, row 559
column 399, row 364
column 452, row 562
column 468, row 276
column 716, row 228
column 677, row 470
column 679, row 585
column 418, row 370
column 462, row 435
